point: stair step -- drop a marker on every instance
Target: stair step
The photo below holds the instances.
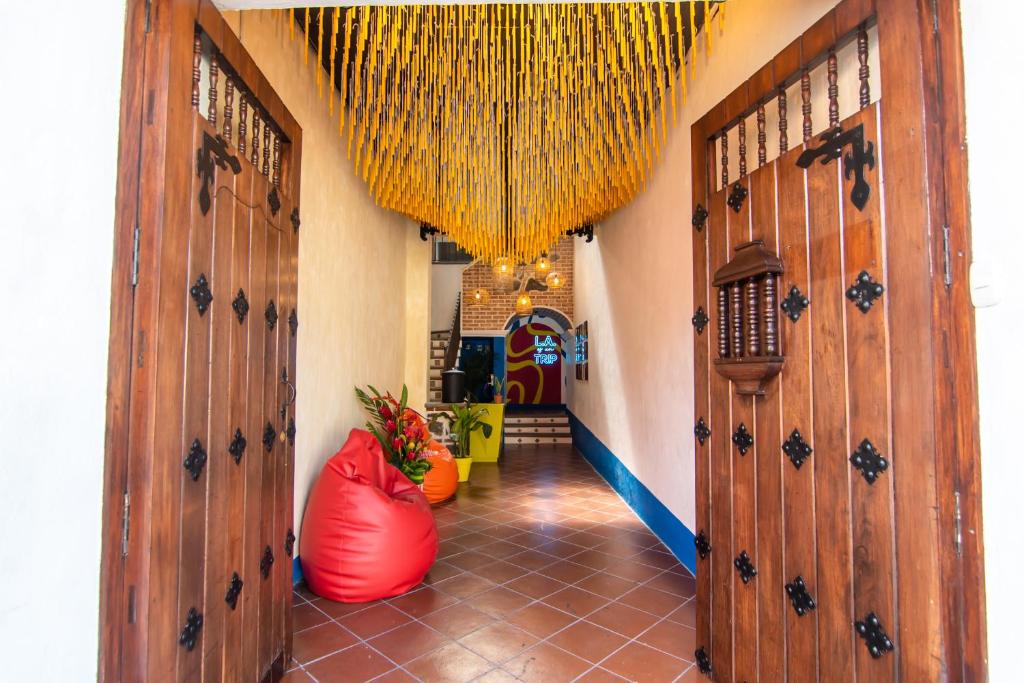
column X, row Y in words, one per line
column 535, row 439
column 436, row 363
column 437, row 353
column 536, row 420
column 435, row 384
column 557, row 430
column 439, row 336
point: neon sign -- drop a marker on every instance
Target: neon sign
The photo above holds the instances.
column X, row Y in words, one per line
column 547, row 350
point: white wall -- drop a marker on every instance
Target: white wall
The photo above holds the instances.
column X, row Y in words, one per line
column 634, row 282
column 58, row 175
column 445, row 285
column 991, row 52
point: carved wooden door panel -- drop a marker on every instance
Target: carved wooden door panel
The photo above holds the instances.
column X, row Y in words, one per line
column 818, row 550
column 208, row 562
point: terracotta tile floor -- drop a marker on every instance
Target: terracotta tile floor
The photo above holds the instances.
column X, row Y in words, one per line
column 543, row 574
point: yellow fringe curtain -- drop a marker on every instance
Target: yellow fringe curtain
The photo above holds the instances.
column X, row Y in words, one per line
column 505, row 125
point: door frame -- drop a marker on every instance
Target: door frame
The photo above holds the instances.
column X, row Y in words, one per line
column 155, row 87
column 934, row 87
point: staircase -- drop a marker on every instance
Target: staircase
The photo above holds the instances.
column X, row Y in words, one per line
column 537, row 428
column 438, row 344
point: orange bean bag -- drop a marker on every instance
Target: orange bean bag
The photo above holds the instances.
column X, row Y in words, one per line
column 442, row 478
column 368, row 532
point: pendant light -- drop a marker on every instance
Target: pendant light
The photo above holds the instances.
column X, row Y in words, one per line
column 542, row 266
column 554, row 280
column 479, row 297
column 524, row 306
column 503, row 268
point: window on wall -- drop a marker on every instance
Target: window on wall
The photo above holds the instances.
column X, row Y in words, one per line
column 582, row 352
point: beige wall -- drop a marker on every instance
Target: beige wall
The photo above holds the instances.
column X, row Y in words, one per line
column 363, row 273
column 990, row 38
column 634, row 283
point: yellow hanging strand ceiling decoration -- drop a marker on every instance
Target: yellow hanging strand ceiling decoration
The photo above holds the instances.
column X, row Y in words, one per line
column 506, row 125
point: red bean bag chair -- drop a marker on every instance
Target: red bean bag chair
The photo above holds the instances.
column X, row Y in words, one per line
column 441, row 480
column 368, row 532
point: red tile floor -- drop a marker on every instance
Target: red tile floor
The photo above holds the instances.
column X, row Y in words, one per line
column 543, row 574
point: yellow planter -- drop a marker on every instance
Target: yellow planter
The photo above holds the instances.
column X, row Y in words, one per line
column 488, row 449
column 464, row 464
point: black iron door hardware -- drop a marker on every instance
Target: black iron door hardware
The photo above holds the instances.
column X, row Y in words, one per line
column 737, row 194
column 290, row 431
column 266, row 562
column 797, row 449
column 293, row 322
column 289, row 543
column 864, row 291
column 213, row 154
column 700, row 217
column 201, row 294
column 874, row 636
column 794, row 303
column 190, row 632
column 703, row 661
column 295, row 219
column 271, row 315
column 237, row 446
column 700, row 541
column 234, row 588
column 241, row 306
column 798, row 595
column 745, row 567
column 743, row 439
column 701, row 431
column 274, row 201
column 269, row 434
column 869, row 461
column 699, row 319
column 861, row 154
column 195, row 460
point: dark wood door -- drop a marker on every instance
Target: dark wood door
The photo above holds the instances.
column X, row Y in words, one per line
column 205, row 568
column 820, row 553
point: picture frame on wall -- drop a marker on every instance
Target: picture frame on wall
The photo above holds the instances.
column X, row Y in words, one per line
column 582, row 352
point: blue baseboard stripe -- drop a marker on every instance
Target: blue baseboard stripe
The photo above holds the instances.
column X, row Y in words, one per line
column 296, row 571
column 658, row 518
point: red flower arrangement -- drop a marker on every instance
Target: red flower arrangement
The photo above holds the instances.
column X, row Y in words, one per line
column 402, row 433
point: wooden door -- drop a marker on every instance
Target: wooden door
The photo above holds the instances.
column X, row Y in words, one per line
column 201, row 587
column 820, row 552
column 533, row 357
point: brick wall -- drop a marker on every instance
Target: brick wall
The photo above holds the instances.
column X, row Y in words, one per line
column 502, row 305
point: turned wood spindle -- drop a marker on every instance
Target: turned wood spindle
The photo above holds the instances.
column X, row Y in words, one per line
column 865, row 71
column 255, row 147
column 833, row 90
column 743, row 146
column 736, row 318
column 725, row 158
column 771, row 325
column 805, row 95
column 266, row 148
column 229, row 108
column 211, row 115
column 783, row 123
column 197, row 60
column 723, row 323
column 277, row 158
column 753, row 318
column 243, row 117
column 762, row 137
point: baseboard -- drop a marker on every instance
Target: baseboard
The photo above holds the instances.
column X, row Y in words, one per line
column 296, row 571
column 651, row 511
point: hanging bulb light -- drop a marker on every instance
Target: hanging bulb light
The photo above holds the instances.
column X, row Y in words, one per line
column 503, row 268
column 524, row 306
column 554, row 281
column 479, row 297
column 542, row 266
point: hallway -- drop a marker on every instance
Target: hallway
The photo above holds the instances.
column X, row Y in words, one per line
column 543, row 574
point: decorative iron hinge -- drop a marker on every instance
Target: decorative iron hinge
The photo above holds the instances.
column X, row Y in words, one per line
column 947, row 265
column 149, row 12
column 862, row 153
column 126, row 510
column 958, row 540
column 136, row 237
column 212, row 155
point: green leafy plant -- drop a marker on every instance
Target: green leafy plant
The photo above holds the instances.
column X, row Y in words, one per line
column 467, row 420
column 499, row 386
column 402, row 433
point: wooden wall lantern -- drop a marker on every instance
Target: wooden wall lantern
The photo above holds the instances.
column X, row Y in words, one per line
column 748, row 329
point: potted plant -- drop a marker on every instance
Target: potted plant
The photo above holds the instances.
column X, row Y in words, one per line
column 403, row 437
column 499, row 389
column 462, row 421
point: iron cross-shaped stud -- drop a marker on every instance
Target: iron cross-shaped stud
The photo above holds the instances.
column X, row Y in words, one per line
column 869, row 461
column 864, row 291
column 798, row 595
column 743, row 439
column 797, row 449
column 699, row 319
column 874, row 636
column 701, row 431
column 794, row 303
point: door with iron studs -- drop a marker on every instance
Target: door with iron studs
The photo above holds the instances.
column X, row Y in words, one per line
column 816, row 539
